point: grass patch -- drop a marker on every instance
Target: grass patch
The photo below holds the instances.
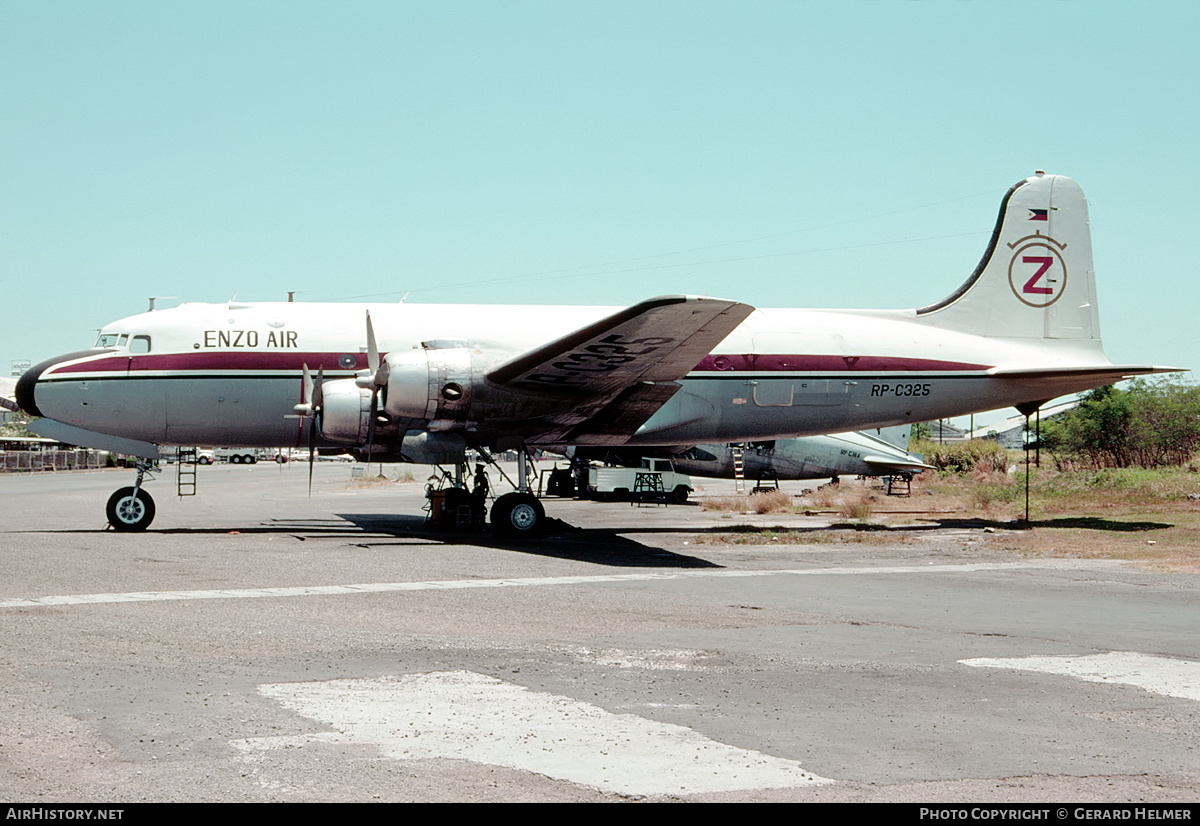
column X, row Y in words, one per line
column 1116, row 513
column 772, row 501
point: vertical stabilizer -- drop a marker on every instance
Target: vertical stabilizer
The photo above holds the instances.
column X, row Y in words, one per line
column 1036, row 279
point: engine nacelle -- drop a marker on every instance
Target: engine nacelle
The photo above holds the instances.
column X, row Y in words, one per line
column 424, row 448
column 432, row 384
column 444, row 384
column 345, row 412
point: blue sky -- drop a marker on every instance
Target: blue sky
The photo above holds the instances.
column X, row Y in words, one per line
column 806, row 154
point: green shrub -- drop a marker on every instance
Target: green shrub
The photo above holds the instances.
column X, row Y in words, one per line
column 964, row 457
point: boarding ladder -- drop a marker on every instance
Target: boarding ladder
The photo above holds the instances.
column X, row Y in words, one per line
column 739, row 469
column 185, row 471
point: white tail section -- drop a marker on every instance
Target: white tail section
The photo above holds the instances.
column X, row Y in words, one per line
column 897, row 435
column 1036, row 279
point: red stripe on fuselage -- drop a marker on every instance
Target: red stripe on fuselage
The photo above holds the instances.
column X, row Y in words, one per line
column 185, row 363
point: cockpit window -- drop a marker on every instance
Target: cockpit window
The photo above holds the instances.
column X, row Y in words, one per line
column 136, row 344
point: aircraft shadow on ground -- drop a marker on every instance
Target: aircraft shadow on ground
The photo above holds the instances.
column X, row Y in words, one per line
column 1078, row 522
column 931, row 525
column 560, row 540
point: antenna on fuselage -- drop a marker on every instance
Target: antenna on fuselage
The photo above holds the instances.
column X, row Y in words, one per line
column 154, row 298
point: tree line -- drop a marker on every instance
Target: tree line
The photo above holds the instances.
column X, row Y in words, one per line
column 1149, row 424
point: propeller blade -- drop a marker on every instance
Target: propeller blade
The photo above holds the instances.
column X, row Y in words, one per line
column 372, row 349
column 312, row 449
column 316, row 400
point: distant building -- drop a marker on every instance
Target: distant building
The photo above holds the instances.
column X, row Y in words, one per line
column 1010, row 432
column 943, row 431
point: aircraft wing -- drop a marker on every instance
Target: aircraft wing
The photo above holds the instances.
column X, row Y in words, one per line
column 621, row 369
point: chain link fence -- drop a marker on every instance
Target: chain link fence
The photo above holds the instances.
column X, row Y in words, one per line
column 15, row 461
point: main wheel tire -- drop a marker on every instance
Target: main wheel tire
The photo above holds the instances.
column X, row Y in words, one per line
column 127, row 512
column 518, row 514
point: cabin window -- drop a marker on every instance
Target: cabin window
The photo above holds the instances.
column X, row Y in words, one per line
column 140, row 344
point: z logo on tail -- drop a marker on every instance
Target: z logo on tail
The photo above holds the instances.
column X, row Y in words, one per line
column 1037, row 273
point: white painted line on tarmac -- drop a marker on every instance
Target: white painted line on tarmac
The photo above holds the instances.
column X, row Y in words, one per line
column 1161, row 675
column 434, row 585
column 460, row 715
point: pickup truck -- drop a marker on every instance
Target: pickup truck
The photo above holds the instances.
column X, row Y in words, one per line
column 624, row 482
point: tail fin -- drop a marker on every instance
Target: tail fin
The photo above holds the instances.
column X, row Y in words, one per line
column 1036, row 279
column 896, row 435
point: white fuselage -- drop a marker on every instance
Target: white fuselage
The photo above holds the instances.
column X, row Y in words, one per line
column 217, row 374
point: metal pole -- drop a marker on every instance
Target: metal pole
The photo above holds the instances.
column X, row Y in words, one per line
column 1027, row 472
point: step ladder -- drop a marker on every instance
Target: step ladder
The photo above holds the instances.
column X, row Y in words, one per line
column 739, row 470
column 648, row 487
column 185, row 471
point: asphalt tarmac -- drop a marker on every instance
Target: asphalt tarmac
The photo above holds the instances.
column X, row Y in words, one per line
column 259, row 644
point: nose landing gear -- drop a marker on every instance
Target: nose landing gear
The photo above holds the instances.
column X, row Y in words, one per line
column 131, row 508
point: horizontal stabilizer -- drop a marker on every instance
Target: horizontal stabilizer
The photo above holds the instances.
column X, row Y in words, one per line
column 1117, row 372
column 891, row 463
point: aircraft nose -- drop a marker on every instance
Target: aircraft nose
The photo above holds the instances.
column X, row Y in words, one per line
column 26, row 394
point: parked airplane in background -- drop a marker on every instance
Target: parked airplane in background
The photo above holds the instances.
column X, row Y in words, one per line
column 1022, row 330
column 8, row 394
column 877, row 453
column 810, row 457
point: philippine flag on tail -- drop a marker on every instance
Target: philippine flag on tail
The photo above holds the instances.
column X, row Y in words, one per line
column 1039, row 215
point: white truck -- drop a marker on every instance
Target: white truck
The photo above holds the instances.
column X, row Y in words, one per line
column 237, row 456
column 655, row 479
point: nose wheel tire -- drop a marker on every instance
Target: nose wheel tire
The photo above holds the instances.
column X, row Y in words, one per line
column 127, row 512
column 518, row 514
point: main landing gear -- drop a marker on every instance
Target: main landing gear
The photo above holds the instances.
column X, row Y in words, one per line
column 516, row 514
column 132, row 509
column 519, row 513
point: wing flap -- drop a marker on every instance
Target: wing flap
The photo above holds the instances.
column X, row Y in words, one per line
column 612, row 423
